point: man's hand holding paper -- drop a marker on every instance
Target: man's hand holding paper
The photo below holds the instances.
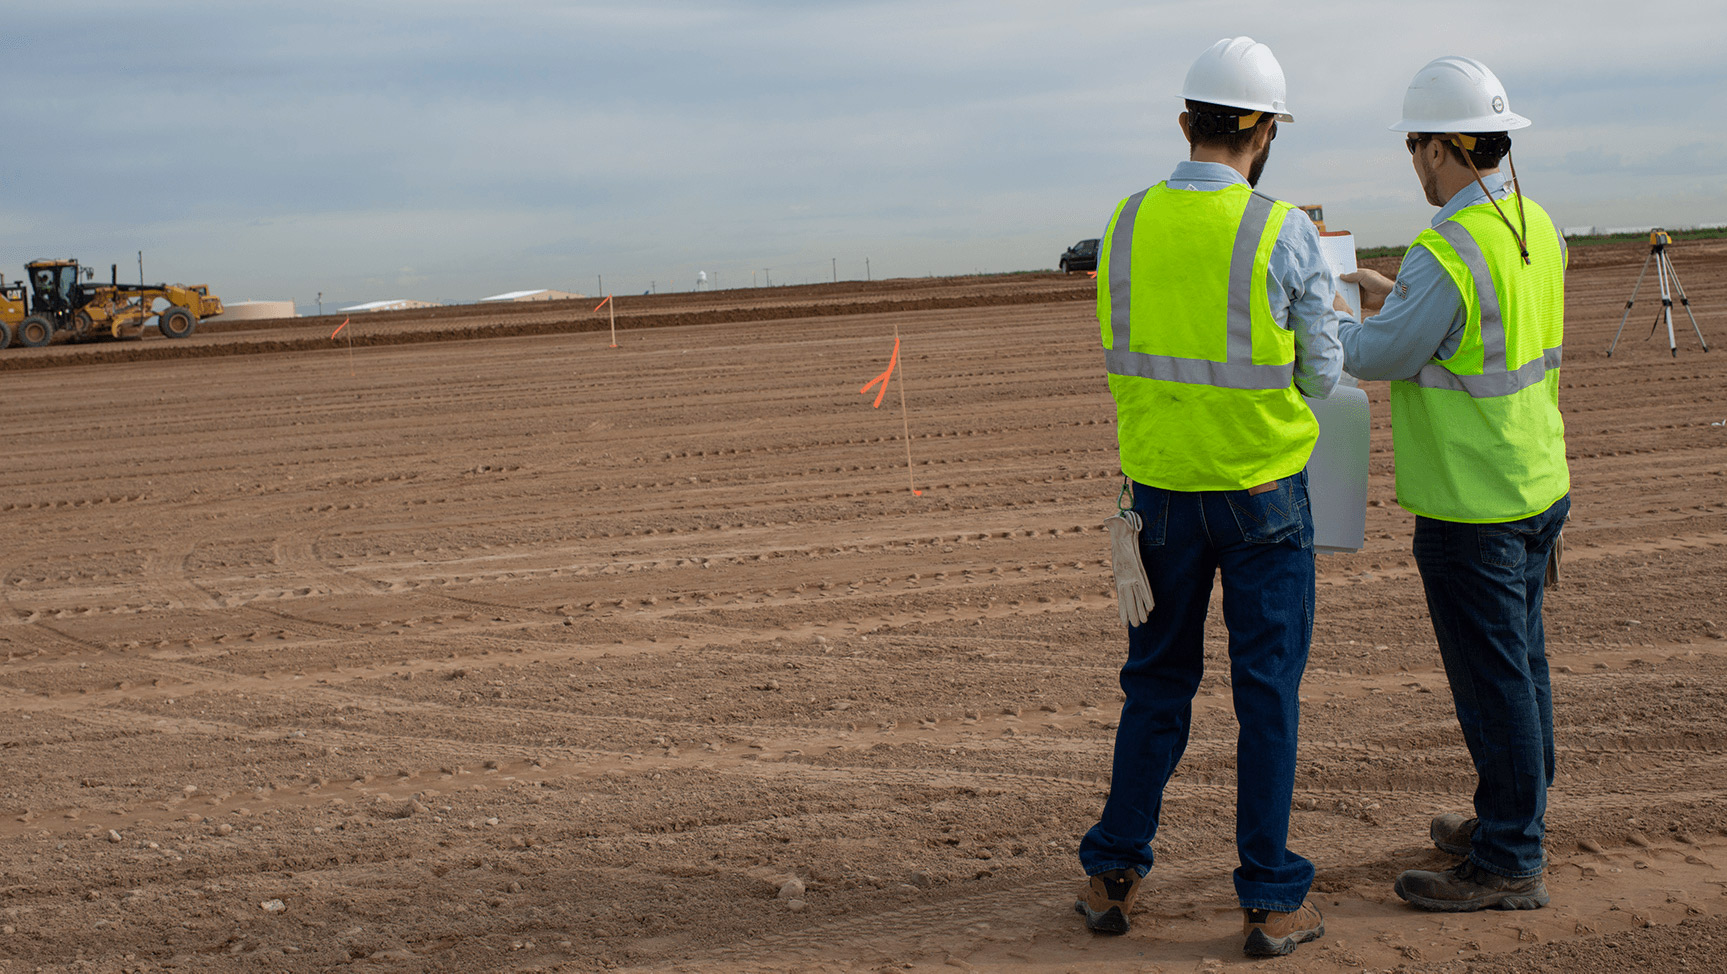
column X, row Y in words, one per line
column 1374, row 287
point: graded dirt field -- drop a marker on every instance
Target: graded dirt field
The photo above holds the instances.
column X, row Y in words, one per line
column 486, row 646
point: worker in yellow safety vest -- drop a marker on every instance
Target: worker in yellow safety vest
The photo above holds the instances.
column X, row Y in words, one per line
column 1217, row 312
column 1471, row 332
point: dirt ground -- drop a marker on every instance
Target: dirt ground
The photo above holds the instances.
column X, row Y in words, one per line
column 486, row 646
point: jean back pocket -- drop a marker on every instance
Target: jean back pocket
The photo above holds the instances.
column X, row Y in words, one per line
column 1503, row 545
column 1274, row 515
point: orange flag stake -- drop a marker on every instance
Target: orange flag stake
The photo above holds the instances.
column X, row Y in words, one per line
column 905, row 418
column 608, row 300
column 338, row 331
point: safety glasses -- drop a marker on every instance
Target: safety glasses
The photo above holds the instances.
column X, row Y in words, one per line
column 1464, row 142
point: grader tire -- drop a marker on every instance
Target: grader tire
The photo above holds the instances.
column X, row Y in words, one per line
column 35, row 331
column 5, row 334
column 176, row 322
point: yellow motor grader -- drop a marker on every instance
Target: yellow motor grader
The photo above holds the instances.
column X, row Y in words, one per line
column 57, row 298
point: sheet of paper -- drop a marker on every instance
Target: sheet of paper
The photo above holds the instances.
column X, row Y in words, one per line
column 1337, row 472
column 1339, row 251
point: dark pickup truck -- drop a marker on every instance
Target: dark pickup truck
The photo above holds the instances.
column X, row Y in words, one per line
column 1081, row 256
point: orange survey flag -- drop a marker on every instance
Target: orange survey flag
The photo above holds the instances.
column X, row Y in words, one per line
column 882, row 379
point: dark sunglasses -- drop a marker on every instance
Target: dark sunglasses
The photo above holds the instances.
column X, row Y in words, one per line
column 1414, row 142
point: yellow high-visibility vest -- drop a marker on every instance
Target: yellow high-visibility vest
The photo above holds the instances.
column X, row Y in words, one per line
column 1478, row 435
column 1203, row 376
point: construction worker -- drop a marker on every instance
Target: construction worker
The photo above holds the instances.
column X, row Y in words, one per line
column 1471, row 332
column 1217, row 313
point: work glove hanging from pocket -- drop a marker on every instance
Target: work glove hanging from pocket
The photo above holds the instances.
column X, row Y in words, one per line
column 1132, row 591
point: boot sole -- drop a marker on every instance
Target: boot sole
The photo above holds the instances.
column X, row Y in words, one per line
column 1492, row 901
column 1260, row 944
column 1109, row 921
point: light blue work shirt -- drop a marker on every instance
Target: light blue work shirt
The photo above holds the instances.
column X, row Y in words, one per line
column 1298, row 283
column 1423, row 317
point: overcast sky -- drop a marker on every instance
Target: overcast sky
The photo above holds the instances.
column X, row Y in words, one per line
column 446, row 151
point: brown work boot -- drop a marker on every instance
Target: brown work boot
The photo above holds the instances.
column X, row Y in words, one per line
column 1108, row 899
column 1453, row 833
column 1273, row 934
column 1466, row 887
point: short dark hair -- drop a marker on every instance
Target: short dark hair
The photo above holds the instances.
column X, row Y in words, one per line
column 1219, row 126
column 1490, row 147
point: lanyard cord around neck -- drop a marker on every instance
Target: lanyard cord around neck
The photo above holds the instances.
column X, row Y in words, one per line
column 1522, row 218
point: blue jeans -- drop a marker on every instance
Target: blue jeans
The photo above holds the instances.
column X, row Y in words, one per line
column 1264, row 546
column 1484, row 587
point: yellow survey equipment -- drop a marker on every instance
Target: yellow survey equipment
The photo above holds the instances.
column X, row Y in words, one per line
column 58, row 299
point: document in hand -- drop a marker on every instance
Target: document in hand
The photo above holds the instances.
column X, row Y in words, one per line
column 1338, row 248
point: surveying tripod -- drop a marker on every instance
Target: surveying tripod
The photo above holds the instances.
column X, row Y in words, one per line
column 1658, row 241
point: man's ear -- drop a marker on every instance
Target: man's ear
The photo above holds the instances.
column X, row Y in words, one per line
column 1262, row 137
column 1186, row 132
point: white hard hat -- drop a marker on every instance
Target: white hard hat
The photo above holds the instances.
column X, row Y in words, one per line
column 1457, row 94
column 1240, row 73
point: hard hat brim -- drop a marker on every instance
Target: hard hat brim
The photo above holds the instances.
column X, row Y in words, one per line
column 1280, row 116
column 1504, row 122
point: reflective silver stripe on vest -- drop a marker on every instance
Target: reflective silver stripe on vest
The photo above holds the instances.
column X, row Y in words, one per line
column 1496, row 379
column 1238, row 370
column 1120, row 273
column 1240, row 348
column 1436, row 376
column 1198, row 371
column 1492, row 325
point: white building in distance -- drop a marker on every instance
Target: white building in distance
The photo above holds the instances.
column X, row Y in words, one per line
column 542, row 294
column 393, row 304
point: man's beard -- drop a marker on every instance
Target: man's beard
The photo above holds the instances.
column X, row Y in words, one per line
column 1258, row 166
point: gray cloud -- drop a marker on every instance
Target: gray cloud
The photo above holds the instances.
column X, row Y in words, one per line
column 284, row 149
